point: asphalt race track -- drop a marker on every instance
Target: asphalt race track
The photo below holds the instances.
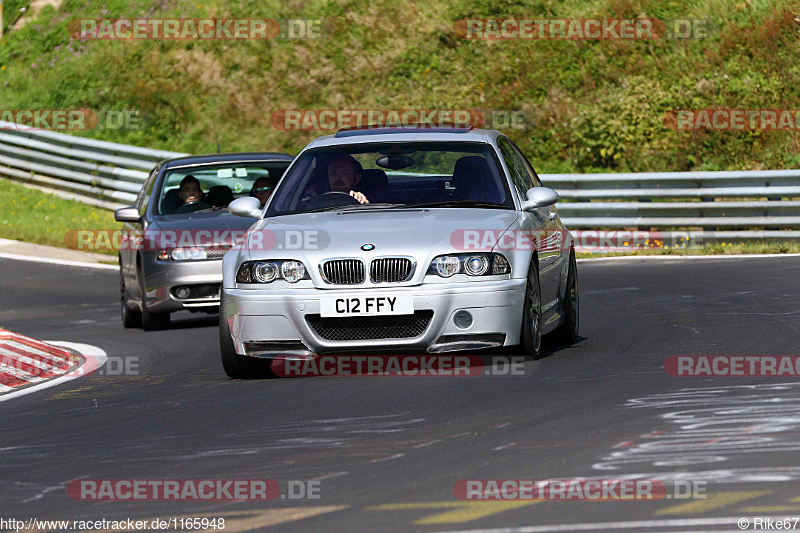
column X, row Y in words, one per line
column 388, row 451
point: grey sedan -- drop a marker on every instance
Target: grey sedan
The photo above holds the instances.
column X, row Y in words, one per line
column 176, row 233
column 428, row 239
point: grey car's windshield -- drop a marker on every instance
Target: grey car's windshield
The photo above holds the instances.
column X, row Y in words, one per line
column 212, row 187
column 393, row 175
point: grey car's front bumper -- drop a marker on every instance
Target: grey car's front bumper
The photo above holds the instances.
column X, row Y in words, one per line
column 279, row 317
column 162, row 278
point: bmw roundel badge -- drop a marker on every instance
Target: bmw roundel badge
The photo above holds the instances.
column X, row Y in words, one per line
column 368, row 247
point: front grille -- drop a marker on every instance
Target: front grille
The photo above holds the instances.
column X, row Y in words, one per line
column 362, row 328
column 343, row 271
column 390, row 270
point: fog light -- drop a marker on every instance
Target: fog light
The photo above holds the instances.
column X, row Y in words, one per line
column 183, row 292
column 462, row 319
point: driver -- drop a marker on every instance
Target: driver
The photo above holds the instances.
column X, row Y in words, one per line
column 192, row 195
column 344, row 173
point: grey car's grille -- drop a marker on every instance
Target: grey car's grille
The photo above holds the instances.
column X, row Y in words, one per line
column 343, row 271
column 390, row 270
column 362, row 328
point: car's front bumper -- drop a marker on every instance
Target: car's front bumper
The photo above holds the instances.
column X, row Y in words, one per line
column 163, row 278
column 260, row 318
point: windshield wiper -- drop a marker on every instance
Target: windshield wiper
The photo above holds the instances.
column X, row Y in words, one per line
column 453, row 203
column 207, row 209
column 358, row 207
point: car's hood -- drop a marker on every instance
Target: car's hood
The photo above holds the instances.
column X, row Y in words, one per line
column 219, row 226
column 419, row 233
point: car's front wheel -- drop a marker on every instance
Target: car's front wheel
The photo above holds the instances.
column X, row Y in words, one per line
column 568, row 330
column 131, row 318
column 151, row 321
column 236, row 366
column 532, row 314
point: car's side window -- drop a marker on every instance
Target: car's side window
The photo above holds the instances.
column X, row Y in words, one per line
column 144, row 194
column 529, row 171
column 518, row 172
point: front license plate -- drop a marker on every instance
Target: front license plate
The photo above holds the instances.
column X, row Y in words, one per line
column 366, row 305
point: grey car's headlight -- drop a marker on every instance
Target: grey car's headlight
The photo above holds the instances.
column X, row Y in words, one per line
column 269, row 271
column 183, row 254
column 486, row 264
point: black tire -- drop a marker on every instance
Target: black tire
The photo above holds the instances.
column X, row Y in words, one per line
column 532, row 314
column 567, row 332
column 131, row 318
column 151, row 321
column 236, row 366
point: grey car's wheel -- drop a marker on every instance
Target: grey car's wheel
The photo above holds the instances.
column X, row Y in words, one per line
column 151, row 321
column 532, row 315
column 131, row 318
column 236, row 366
column 568, row 330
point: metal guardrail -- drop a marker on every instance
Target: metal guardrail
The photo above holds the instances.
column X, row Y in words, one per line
column 729, row 205
column 100, row 173
column 752, row 202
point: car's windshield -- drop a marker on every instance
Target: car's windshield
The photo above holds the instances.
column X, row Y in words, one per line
column 398, row 174
column 213, row 187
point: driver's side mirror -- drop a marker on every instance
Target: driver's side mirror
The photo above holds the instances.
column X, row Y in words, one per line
column 127, row 214
column 539, row 197
column 246, row 207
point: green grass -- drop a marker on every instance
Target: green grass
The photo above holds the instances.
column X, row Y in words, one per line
column 11, row 11
column 591, row 105
column 34, row 216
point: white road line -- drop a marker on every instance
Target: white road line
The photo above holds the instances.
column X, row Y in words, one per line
column 611, row 526
column 95, row 358
column 65, row 262
column 687, row 257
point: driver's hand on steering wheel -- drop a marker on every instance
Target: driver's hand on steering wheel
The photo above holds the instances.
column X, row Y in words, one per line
column 359, row 196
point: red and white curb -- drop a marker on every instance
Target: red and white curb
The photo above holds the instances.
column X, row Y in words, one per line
column 28, row 365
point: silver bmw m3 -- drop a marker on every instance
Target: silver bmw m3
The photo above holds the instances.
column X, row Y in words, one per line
column 434, row 240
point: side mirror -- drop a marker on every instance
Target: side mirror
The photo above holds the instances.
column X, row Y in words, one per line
column 127, row 214
column 539, row 197
column 246, row 207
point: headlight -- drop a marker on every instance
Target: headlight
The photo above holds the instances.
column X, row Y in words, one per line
column 470, row 264
column 447, row 265
column 269, row 271
column 183, row 254
column 476, row 265
column 264, row 272
column 293, row 271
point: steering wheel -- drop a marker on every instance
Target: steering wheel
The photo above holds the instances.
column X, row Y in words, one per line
column 190, row 207
column 330, row 199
